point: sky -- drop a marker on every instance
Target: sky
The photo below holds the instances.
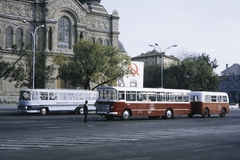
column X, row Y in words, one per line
column 195, row 26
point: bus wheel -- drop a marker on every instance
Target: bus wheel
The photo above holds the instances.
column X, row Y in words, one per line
column 206, row 113
column 190, row 115
column 109, row 117
column 80, row 111
column 125, row 114
column 43, row 111
column 169, row 114
column 223, row 112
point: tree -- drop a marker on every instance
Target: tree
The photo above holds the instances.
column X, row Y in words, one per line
column 22, row 73
column 194, row 73
column 152, row 76
column 7, row 67
column 92, row 64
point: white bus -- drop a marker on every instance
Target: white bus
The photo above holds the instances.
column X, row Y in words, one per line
column 207, row 103
column 44, row 101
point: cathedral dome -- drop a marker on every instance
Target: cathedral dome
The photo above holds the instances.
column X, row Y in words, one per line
column 90, row 1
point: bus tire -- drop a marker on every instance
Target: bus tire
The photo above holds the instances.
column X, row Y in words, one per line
column 223, row 112
column 206, row 113
column 190, row 115
column 169, row 114
column 109, row 117
column 43, row 111
column 125, row 114
column 80, row 110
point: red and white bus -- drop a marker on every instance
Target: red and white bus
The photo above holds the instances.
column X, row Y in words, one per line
column 207, row 103
column 125, row 102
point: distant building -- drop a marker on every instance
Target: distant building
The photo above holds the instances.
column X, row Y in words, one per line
column 229, row 82
column 154, row 58
column 234, row 69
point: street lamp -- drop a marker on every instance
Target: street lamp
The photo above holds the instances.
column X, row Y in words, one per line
column 162, row 57
column 33, row 33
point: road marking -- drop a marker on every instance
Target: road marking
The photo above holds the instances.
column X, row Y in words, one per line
column 205, row 149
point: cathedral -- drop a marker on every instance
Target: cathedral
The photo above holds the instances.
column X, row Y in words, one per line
column 56, row 26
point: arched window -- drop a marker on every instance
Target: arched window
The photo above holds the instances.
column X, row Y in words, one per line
column 9, row 37
column 92, row 39
column 64, row 32
column 28, row 40
column 106, row 42
column 19, row 38
column 99, row 41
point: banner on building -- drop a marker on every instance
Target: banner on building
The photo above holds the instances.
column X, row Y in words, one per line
column 135, row 76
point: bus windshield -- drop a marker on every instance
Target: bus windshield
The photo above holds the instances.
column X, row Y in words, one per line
column 25, row 95
column 107, row 94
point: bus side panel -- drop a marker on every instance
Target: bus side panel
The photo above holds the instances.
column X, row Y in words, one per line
column 181, row 109
column 158, row 109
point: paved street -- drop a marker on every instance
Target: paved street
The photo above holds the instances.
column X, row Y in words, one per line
column 66, row 136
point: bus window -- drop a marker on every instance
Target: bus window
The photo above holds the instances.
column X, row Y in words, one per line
column 160, row 96
column 213, row 98
column 141, row 96
column 219, row 98
column 131, row 96
column 225, row 99
column 24, row 95
column 207, row 98
column 186, row 97
column 79, row 96
column 152, row 96
column 169, row 97
column 34, row 95
column 121, row 95
column 178, row 97
column 52, row 95
column 194, row 98
column 62, row 96
column 44, row 95
column 70, row 96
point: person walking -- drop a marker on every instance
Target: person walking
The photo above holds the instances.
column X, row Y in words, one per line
column 85, row 110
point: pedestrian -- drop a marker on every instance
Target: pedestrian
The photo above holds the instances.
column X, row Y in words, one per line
column 85, row 110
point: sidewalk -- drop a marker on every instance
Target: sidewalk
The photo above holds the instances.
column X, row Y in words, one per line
column 8, row 106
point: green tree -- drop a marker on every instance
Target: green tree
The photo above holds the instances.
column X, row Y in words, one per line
column 22, row 73
column 194, row 73
column 152, row 76
column 7, row 67
column 92, row 64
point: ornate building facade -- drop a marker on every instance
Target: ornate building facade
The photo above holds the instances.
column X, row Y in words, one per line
column 65, row 22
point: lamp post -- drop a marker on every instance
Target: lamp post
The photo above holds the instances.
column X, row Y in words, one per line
column 162, row 57
column 33, row 33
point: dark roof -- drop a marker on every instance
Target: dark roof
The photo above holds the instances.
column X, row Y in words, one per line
column 121, row 47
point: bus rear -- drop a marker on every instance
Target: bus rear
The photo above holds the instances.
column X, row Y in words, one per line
column 208, row 103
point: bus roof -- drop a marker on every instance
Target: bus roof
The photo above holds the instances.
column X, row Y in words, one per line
column 207, row 93
column 144, row 89
column 56, row 90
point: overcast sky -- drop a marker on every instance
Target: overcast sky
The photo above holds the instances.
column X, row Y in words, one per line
column 209, row 26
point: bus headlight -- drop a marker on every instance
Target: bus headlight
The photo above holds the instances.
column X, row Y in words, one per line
column 111, row 107
column 26, row 107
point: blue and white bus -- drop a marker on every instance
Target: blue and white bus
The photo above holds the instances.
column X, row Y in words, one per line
column 44, row 101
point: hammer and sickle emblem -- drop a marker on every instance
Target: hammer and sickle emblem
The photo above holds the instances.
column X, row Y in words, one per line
column 134, row 69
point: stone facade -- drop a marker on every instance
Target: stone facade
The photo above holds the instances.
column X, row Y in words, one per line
column 65, row 22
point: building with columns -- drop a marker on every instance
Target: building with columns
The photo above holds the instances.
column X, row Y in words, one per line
column 65, row 22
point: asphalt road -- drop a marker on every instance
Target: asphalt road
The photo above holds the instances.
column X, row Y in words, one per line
column 65, row 136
